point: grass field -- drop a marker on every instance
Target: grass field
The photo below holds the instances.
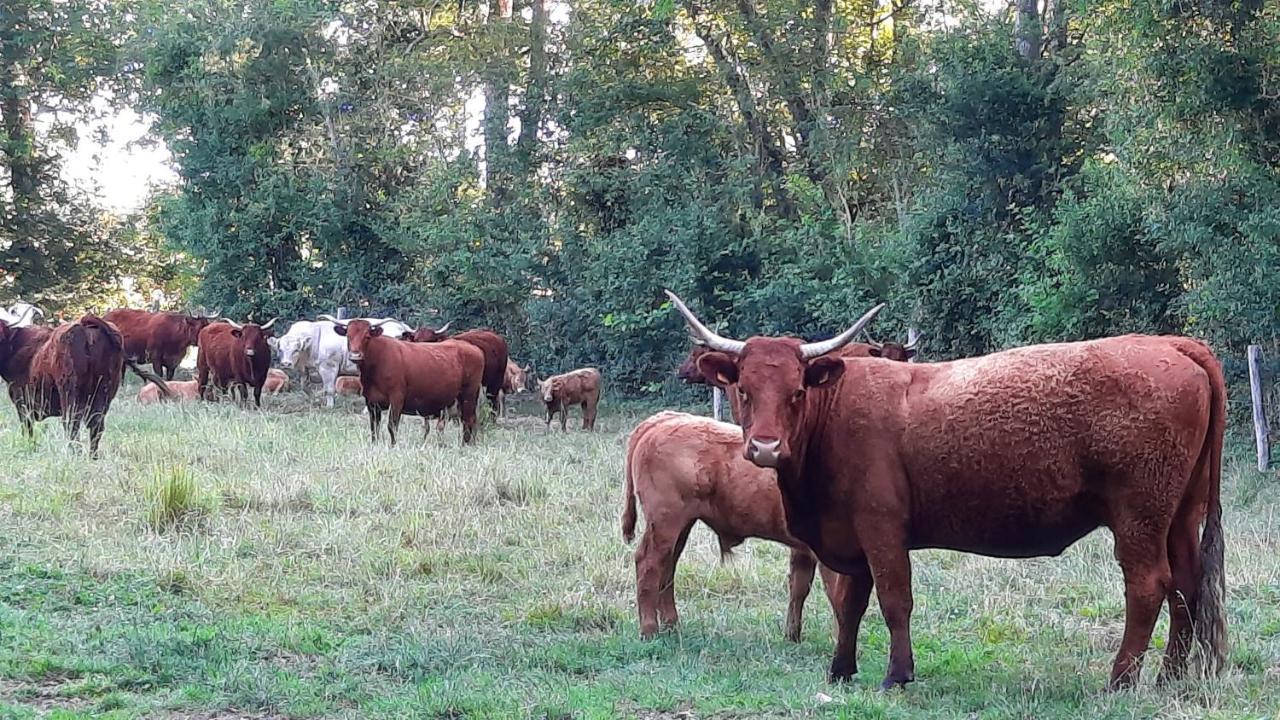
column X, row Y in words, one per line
column 224, row 564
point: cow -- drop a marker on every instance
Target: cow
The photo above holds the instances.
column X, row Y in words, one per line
column 313, row 345
column 579, row 387
column 516, row 379
column 72, row 371
column 178, row 390
column 683, row 469
column 161, row 338
column 1015, row 454
column 277, row 382
column 348, row 385
column 493, row 345
column 234, row 357
column 20, row 314
column 407, row 378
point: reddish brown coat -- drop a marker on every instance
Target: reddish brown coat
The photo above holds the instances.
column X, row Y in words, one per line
column 72, row 371
column 235, row 359
column 690, row 373
column 348, row 385
column 159, row 338
column 180, row 390
column 578, row 387
column 408, row 378
column 1016, row 454
column 277, row 382
column 495, row 350
column 683, row 469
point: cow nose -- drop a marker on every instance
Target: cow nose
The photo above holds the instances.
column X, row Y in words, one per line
column 250, row 353
column 356, row 357
column 765, row 452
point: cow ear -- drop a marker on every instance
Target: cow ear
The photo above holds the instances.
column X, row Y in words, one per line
column 236, row 332
column 375, row 332
column 340, row 329
column 719, row 368
column 406, row 336
column 875, row 352
column 823, row 371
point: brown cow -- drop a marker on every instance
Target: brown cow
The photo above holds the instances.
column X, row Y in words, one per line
column 408, row 378
column 491, row 343
column 178, row 390
column 579, row 387
column 685, row 468
column 234, row 357
column 348, row 385
column 72, row 371
column 516, row 379
column 1015, row 454
column 159, row 338
column 277, row 382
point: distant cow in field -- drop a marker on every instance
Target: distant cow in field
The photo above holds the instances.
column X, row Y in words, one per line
column 20, row 314
column 348, row 385
column 159, row 338
column 1015, row 454
column 683, row 469
column 516, row 379
column 72, row 371
column 277, row 382
column 178, row 390
column 579, row 387
column 235, row 358
column 493, row 345
column 408, row 378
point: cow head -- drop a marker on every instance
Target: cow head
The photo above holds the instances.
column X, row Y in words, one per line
column 358, row 333
column 689, row 371
column 892, row 350
column 772, row 377
column 516, row 379
column 426, row 334
column 193, row 324
column 253, row 338
column 547, row 390
column 291, row 346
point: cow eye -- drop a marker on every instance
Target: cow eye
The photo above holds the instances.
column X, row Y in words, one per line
column 742, row 395
column 797, row 396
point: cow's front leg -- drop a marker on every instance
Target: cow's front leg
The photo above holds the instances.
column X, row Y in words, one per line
column 849, row 595
column 891, row 572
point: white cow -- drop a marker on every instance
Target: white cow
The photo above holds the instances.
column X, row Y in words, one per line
column 314, row 345
column 20, row 314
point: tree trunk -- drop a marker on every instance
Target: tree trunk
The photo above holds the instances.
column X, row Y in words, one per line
column 497, row 113
column 1055, row 25
column 19, row 147
column 536, row 88
column 1027, row 29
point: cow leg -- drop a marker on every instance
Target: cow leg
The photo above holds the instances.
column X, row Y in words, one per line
column 329, row 379
column 1143, row 555
column 891, row 572
column 426, row 428
column 668, row 616
column 441, row 420
column 849, row 595
column 799, row 581
column 564, row 417
column 467, row 409
column 375, row 421
column 652, row 557
column 393, row 420
column 1184, row 593
column 95, row 423
column 257, row 396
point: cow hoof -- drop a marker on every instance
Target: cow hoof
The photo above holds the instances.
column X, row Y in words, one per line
column 792, row 635
column 842, row 672
column 891, row 683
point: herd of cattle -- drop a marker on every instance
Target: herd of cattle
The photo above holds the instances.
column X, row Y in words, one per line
column 74, row 370
column 850, row 454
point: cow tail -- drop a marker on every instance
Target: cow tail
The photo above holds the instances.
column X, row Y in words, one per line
column 108, row 330
column 629, row 501
column 149, row 376
column 1211, row 614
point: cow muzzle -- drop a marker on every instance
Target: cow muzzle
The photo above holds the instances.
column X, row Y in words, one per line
column 250, row 353
column 355, row 356
column 765, row 452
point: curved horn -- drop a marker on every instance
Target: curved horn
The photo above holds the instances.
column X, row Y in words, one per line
column 872, row 342
column 269, row 324
column 334, row 320
column 443, row 328
column 233, row 323
column 213, row 315
column 812, row 350
column 27, row 314
column 380, row 323
column 710, row 339
column 912, row 345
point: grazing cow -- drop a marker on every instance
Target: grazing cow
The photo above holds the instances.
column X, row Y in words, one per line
column 493, row 345
column 72, row 371
column 348, row 385
column 685, row 468
column 159, row 338
column 234, row 357
column 406, row 378
column 277, row 382
column 178, row 390
column 313, row 345
column 578, row 387
column 1015, row 454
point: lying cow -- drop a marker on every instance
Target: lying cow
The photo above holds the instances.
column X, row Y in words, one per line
column 348, row 385
column 579, row 387
column 684, row 469
column 178, row 390
column 235, row 358
column 277, row 382
column 72, row 371
column 408, row 378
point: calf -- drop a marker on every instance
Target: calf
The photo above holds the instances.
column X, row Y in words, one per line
column 348, row 385
column 421, row 379
column 72, row 371
column 579, row 387
column 234, row 357
column 277, row 382
column 178, row 390
column 684, row 469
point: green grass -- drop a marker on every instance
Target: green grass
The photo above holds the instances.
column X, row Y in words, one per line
column 220, row 563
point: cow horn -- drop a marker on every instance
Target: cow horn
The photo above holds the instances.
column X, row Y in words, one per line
column 872, row 342
column 443, row 328
column 334, row 320
column 27, row 314
column 269, row 324
column 233, row 323
column 710, row 339
column 213, row 315
column 380, row 323
column 812, row 350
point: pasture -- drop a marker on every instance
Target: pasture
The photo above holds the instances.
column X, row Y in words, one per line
column 217, row 563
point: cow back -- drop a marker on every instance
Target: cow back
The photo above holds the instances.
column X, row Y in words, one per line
column 426, row 377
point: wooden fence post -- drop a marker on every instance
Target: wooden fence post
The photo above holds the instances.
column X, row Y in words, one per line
column 342, row 312
column 1261, row 433
column 717, row 403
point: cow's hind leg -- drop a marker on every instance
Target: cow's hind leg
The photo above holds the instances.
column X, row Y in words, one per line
column 849, row 595
column 1184, row 591
column 668, row 615
column 891, row 571
column 393, row 421
column 1143, row 555
column 652, row 557
column 799, row 582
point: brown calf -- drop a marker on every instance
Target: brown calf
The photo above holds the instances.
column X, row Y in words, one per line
column 178, row 390
column 579, row 387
